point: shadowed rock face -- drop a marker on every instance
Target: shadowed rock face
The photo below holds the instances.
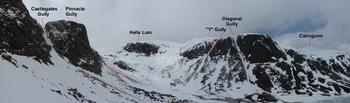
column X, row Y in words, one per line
column 14, row 3
column 20, row 33
column 259, row 48
column 222, row 48
column 143, row 48
column 70, row 40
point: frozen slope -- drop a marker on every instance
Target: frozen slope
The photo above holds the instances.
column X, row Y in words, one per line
column 251, row 67
column 63, row 82
column 57, row 65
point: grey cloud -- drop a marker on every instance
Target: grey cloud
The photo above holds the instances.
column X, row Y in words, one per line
column 108, row 21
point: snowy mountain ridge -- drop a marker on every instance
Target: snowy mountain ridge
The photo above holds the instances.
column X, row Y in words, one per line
column 247, row 65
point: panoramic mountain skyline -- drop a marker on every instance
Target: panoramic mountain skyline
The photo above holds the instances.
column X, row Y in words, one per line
column 109, row 21
column 83, row 59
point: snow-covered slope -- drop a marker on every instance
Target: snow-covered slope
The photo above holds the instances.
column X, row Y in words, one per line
column 251, row 67
column 63, row 82
column 58, row 65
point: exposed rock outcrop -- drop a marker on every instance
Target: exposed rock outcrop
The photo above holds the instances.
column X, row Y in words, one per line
column 221, row 48
column 70, row 40
column 259, row 48
column 20, row 33
column 143, row 48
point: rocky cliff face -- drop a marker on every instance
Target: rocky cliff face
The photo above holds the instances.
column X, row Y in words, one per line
column 70, row 40
column 143, row 48
column 21, row 34
column 223, row 47
column 259, row 48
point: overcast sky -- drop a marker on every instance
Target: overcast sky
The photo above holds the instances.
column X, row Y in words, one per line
column 109, row 21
